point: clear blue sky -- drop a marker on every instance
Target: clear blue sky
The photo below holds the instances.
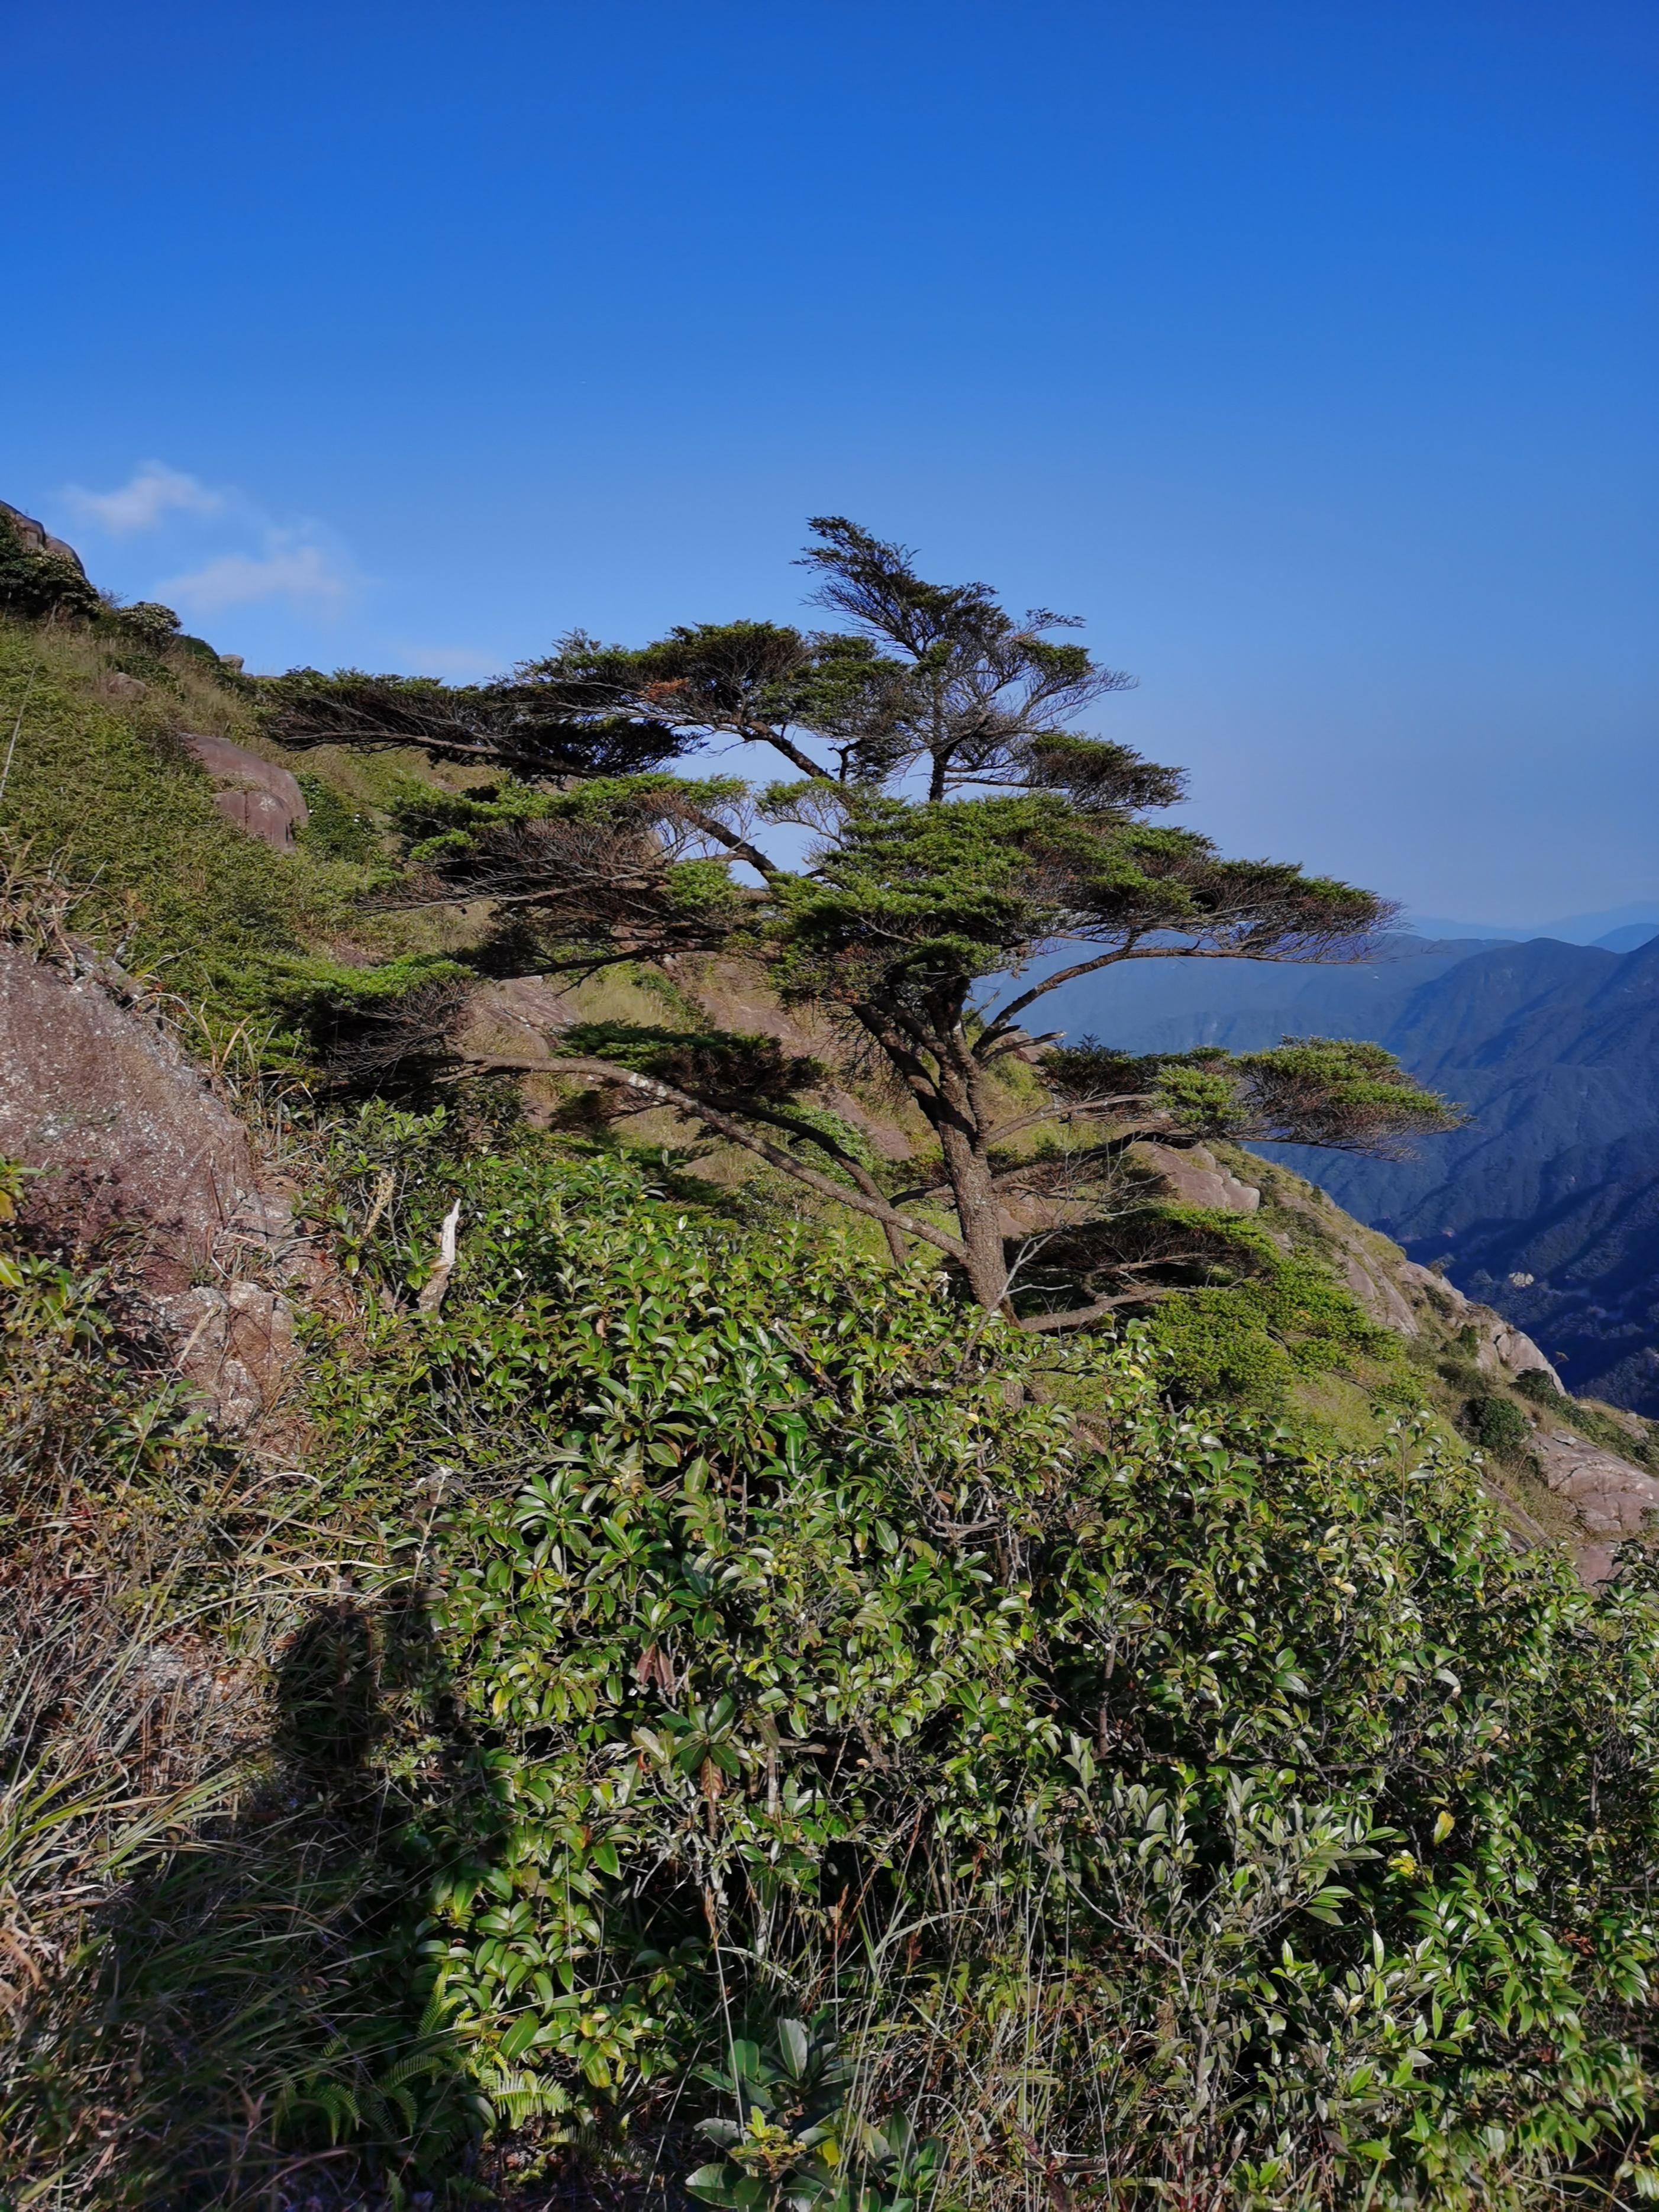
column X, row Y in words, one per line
column 1305, row 347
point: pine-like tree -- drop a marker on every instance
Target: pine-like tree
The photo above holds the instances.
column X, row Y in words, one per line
column 959, row 833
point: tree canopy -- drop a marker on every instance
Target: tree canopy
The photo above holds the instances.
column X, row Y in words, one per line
column 968, row 850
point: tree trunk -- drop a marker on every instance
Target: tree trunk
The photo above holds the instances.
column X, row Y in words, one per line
column 973, row 1194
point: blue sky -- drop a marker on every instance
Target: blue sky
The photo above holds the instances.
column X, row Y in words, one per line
column 1307, row 350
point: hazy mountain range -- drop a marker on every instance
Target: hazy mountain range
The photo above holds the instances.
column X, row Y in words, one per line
column 1546, row 1205
column 1631, row 925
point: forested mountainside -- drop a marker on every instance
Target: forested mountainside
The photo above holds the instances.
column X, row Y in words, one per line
column 1546, row 1205
column 547, row 1662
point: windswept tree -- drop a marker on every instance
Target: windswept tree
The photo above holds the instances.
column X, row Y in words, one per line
column 960, row 833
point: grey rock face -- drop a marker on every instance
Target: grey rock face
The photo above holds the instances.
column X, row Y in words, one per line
column 1196, row 1177
column 1611, row 1498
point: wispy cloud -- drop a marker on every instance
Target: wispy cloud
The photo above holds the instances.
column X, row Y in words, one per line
column 151, row 492
column 304, row 576
column 250, row 557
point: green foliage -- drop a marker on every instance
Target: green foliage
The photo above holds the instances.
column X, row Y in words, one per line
column 149, row 620
column 1241, row 1816
column 790, row 2144
column 529, row 723
column 131, row 817
column 717, row 1064
column 1032, row 837
column 424, row 814
column 335, row 829
column 201, row 1910
column 1248, row 1342
column 1540, row 1388
column 35, row 585
column 912, row 897
column 1316, row 1091
column 1499, row 1426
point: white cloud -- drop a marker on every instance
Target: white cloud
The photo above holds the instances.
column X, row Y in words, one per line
column 301, row 574
column 153, row 490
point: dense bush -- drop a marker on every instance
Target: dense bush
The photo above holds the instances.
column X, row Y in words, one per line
column 336, row 829
column 1143, row 1803
column 1245, row 1342
column 1499, row 1426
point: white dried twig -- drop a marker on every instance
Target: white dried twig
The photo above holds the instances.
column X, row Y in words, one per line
column 432, row 1292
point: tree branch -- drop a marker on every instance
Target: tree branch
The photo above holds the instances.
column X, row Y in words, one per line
column 665, row 1094
column 1080, row 1316
column 999, row 1022
column 733, row 843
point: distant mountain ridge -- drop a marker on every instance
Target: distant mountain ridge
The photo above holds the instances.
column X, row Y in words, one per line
column 1569, row 929
column 1546, row 1207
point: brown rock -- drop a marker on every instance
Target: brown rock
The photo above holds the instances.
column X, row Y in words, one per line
column 116, row 683
column 255, row 794
column 94, row 1094
column 36, row 538
column 128, row 1135
column 1611, row 1498
column 236, row 1344
column 1197, row 1178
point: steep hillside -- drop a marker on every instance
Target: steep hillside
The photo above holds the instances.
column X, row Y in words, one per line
column 540, row 1668
column 104, row 792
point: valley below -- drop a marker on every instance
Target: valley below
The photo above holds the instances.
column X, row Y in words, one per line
column 1546, row 1204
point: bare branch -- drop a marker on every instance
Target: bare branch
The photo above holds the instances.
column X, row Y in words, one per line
column 1098, row 1310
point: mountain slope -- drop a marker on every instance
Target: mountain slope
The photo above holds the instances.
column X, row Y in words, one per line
column 1549, row 1204
column 1546, row 1205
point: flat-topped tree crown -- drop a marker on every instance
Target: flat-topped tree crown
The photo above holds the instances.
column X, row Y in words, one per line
column 984, row 692
column 962, row 829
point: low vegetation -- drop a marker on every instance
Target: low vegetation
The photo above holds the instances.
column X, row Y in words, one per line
column 750, row 1692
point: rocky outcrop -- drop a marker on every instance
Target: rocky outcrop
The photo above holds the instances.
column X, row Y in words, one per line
column 1500, row 1351
column 256, row 795
column 1195, row 1177
column 130, row 1140
column 36, row 537
column 116, row 683
column 1397, row 1292
column 1611, row 1499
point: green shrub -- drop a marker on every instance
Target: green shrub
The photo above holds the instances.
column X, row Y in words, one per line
column 35, row 584
column 1246, row 1343
column 1539, row 1388
column 148, row 619
column 1233, row 1818
column 1499, row 1426
column 205, row 1926
column 336, row 829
